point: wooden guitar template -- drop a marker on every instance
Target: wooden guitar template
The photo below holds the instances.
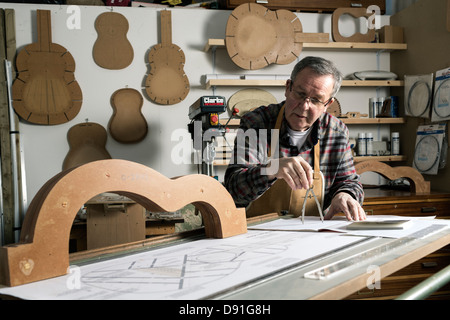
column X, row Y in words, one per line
column 127, row 124
column 45, row 91
column 87, row 143
column 112, row 50
column 417, row 181
column 257, row 36
column 166, row 82
column 43, row 249
column 355, row 13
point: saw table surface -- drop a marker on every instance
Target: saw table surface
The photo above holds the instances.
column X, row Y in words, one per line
column 258, row 265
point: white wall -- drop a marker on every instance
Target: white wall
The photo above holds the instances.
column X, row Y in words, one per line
column 45, row 147
column 394, row 6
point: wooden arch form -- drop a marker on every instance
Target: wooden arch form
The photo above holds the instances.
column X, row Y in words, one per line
column 418, row 183
column 43, row 250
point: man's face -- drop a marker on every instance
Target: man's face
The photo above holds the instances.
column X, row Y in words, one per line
column 307, row 98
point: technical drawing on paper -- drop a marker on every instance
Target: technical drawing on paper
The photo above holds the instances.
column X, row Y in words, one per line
column 177, row 272
column 188, row 270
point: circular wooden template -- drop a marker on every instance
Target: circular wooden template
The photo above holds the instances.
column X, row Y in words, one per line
column 257, row 36
column 335, row 108
column 248, row 99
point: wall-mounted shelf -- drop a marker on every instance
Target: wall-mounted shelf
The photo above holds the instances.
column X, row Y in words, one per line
column 224, row 162
column 281, row 83
column 220, row 43
column 373, row 83
column 380, row 158
column 373, row 120
column 240, row 81
column 235, row 122
column 244, row 83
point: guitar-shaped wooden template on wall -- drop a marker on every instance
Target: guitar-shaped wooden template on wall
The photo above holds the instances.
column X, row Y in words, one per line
column 355, row 13
column 112, row 50
column 87, row 143
column 166, row 82
column 45, row 90
column 127, row 124
column 257, row 36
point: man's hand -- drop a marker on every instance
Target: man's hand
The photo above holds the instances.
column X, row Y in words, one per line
column 343, row 202
column 297, row 173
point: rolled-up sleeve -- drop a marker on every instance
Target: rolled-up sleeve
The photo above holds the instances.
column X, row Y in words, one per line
column 244, row 179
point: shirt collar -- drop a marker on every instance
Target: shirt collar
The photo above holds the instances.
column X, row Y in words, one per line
column 312, row 139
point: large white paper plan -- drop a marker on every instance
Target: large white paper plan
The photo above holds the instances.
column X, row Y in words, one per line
column 191, row 270
column 340, row 223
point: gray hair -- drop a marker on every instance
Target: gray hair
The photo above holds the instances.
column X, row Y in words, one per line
column 322, row 67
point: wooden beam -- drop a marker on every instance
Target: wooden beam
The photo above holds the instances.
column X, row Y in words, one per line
column 43, row 251
column 5, row 139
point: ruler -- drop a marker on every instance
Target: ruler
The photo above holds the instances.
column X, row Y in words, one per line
column 332, row 269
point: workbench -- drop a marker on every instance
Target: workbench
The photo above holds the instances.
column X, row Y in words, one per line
column 292, row 284
column 382, row 201
column 230, row 258
column 286, row 282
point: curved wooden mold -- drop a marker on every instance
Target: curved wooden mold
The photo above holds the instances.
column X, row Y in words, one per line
column 87, row 143
column 45, row 91
column 257, row 36
column 417, row 182
column 43, row 250
column 127, row 124
column 246, row 100
column 112, row 50
column 166, row 82
column 335, row 108
column 355, row 13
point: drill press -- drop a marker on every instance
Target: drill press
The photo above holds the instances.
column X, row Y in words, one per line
column 205, row 127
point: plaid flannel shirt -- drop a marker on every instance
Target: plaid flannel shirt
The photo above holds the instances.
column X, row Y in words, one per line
column 243, row 178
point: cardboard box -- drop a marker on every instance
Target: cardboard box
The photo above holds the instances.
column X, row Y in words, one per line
column 391, row 34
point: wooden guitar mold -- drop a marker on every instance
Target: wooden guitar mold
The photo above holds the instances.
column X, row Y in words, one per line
column 355, row 13
column 166, row 82
column 43, row 249
column 87, row 143
column 45, row 91
column 112, row 50
column 246, row 100
column 127, row 124
column 257, row 36
column 417, row 182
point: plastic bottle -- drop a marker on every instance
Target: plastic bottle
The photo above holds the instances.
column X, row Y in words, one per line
column 380, row 103
column 373, row 107
column 395, row 143
column 369, row 144
column 362, row 146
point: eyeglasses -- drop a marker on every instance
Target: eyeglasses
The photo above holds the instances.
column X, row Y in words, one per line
column 301, row 97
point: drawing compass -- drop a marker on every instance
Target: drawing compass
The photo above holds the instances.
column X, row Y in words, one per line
column 308, row 191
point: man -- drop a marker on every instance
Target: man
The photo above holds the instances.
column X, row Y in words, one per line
column 303, row 122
